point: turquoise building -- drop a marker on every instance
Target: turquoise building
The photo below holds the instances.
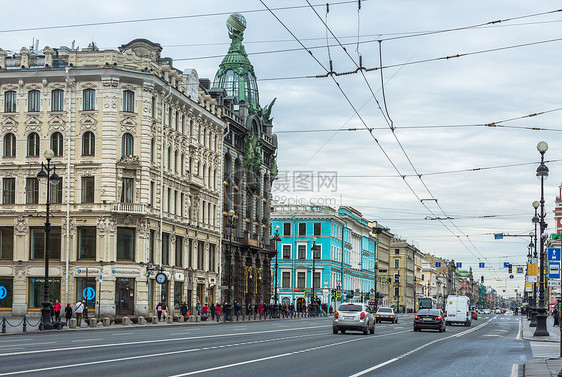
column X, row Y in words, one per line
column 345, row 254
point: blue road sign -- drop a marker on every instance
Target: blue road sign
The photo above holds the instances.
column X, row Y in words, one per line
column 481, row 265
column 89, row 293
column 554, row 254
column 498, row 236
column 554, row 270
column 437, row 264
column 505, row 264
column 3, row 292
column 459, row 264
column 511, row 277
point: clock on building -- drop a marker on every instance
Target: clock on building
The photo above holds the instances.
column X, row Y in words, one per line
column 161, row 278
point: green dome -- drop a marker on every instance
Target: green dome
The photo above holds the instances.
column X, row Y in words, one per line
column 236, row 73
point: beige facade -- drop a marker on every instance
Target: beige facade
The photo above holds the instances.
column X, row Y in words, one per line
column 383, row 238
column 139, row 152
column 402, row 270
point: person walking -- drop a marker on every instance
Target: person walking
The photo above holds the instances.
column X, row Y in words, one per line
column 198, row 308
column 164, row 310
column 555, row 315
column 159, row 311
column 218, row 311
column 184, row 310
column 79, row 310
column 213, row 310
column 237, row 310
column 57, row 308
column 68, row 313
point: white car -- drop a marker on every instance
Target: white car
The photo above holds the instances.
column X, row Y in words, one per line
column 354, row 316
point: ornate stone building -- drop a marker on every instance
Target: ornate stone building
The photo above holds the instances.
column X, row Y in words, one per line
column 249, row 169
column 138, row 145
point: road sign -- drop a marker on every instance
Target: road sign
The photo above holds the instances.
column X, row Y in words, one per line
column 554, row 254
column 511, row 276
column 437, row 264
column 3, row 292
column 89, row 293
column 554, row 270
column 101, row 277
column 459, row 264
column 383, row 279
column 498, row 236
column 481, row 265
column 505, row 264
column 371, row 296
column 338, row 287
column 338, row 293
column 554, row 283
column 520, row 270
column 556, row 236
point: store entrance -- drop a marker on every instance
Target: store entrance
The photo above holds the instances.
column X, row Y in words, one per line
column 124, row 296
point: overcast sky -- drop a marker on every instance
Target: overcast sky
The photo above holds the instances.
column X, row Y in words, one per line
column 436, row 106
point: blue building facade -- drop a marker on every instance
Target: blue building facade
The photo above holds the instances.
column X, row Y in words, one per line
column 345, row 254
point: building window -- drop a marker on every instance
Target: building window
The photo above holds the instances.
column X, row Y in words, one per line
column 317, row 229
column 87, row 242
column 302, row 229
column 128, row 101
column 153, row 112
column 88, row 144
column 317, row 280
column 127, row 190
column 87, row 189
column 34, row 101
column 165, row 249
column 6, row 243
column 89, row 99
column 31, row 190
column 10, row 102
column 396, row 291
column 151, row 198
column 127, row 145
column 151, row 241
column 152, row 145
column 169, row 158
column 397, row 263
column 33, row 145
column 57, row 144
column 125, row 244
column 200, row 255
column 7, row 300
column 301, row 251
column 55, row 194
column 10, row 145
column 36, row 289
column 8, row 190
column 190, row 253
column 211, row 257
column 286, row 279
column 286, row 251
column 396, row 251
column 301, row 280
column 179, row 251
column 37, row 240
column 57, row 100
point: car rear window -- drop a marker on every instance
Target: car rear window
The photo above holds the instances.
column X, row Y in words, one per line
column 429, row 312
column 350, row 308
column 385, row 310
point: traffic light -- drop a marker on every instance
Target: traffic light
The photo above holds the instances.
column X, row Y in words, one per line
column 389, row 280
column 482, row 279
column 510, row 268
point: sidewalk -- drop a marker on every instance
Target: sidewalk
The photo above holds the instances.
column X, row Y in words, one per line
column 542, row 367
column 35, row 328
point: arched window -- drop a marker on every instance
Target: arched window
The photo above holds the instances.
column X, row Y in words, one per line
column 57, row 144
column 127, row 145
column 88, row 144
column 10, row 145
column 33, row 145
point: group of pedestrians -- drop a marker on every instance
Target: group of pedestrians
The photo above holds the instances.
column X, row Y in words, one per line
column 80, row 312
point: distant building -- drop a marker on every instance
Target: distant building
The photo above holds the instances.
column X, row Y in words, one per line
column 345, row 259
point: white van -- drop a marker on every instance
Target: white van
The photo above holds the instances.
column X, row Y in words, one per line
column 457, row 310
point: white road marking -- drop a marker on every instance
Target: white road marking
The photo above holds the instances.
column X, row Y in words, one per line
column 515, row 370
column 85, row 340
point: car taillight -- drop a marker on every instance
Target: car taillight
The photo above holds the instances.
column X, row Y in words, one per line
column 438, row 317
column 417, row 317
column 445, row 313
column 336, row 315
column 467, row 314
column 378, row 315
column 391, row 316
column 363, row 315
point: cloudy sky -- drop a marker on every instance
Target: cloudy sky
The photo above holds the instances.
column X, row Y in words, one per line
column 405, row 153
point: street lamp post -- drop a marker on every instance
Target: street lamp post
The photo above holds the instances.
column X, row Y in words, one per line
column 542, row 174
column 276, row 239
column 529, row 261
column 535, row 221
column 313, row 250
column 230, row 225
column 51, row 179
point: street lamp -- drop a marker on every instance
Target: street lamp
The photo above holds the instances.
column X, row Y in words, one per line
column 276, row 239
column 542, row 174
column 313, row 250
column 54, row 180
column 229, row 225
column 535, row 221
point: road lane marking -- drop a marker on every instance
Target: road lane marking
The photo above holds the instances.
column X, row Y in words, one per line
column 198, row 337
column 518, row 331
column 173, row 353
column 360, row 373
column 515, row 370
column 86, row 340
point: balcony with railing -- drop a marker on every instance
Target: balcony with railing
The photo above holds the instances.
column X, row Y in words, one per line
column 129, row 208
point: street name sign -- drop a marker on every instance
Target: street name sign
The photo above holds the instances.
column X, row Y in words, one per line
column 554, row 283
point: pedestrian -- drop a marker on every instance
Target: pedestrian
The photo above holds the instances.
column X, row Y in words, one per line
column 85, row 309
column 198, row 308
column 52, row 311
column 237, row 310
column 159, row 311
column 164, row 310
column 78, row 310
column 205, row 311
column 57, row 308
column 218, row 312
column 555, row 315
column 184, row 310
column 213, row 310
column 260, row 310
column 68, row 313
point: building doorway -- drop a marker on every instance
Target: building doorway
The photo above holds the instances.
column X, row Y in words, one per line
column 124, row 296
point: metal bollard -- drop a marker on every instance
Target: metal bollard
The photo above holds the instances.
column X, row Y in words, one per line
column 25, row 323
column 59, row 324
column 3, row 325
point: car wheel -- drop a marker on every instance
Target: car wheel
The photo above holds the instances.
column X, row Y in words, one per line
column 366, row 330
column 373, row 328
column 444, row 328
column 334, row 330
column 342, row 331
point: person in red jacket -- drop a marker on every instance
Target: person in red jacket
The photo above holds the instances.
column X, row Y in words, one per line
column 57, row 309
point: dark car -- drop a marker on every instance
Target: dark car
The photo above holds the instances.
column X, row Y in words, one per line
column 429, row 319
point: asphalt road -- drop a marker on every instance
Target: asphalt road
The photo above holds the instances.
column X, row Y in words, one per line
column 294, row 347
